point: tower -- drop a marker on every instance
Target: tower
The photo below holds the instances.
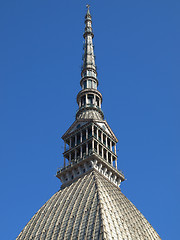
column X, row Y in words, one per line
column 89, row 142
column 90, row 204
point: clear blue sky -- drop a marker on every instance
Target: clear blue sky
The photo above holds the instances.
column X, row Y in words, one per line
column 137, row 47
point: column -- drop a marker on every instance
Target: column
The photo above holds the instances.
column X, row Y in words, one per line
column 69, row 157
column 116, row 163
column 102, row 137
column 75, row 139
column 75, row 154
column 111, row 160
column 81, row 137
column 115, row 148
column 110, row 145
column 86, row 148
column 86, row 100
column 97, row 133
column 64, row 156
column 97, row 148
column 107, row 155
column 102, row 152
column 86, row 133
column 81, row 152
column 92, row 144
column 93, row 130
column 70, row 142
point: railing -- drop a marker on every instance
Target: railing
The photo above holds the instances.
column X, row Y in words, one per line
column 74, row 161
column 90, row 152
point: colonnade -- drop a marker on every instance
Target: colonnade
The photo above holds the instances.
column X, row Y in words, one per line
column 86, row 100
column 89, row 140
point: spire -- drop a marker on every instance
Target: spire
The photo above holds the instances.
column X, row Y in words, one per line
column 88, row 57
column 89, row 98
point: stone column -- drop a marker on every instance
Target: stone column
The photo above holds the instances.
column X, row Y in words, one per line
column 97, row 148
column 81, row 137
column 86, row 100
column 107, row 155
column 115, row 148
column 97, row 133
column 93, row 130
column 81, row 152
column 111, row 160
column 86, row 133
column 70, row 142
column 116, row 163
column 106, row 142
column 102, row 152
column 75, row 139
column 110, row 145
column 64, row 156
column 102, row 137
column 92, row 144
column 75, row 154
column 86, row 148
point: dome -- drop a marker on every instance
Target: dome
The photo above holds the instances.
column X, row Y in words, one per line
column 90, row 207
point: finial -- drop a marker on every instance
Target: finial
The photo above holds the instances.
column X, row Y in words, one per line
column 88, row 6
column 88, row 12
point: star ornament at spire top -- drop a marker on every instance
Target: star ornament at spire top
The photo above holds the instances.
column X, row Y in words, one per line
column 88, row 6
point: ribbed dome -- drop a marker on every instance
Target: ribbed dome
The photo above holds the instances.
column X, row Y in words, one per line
column 91, row 207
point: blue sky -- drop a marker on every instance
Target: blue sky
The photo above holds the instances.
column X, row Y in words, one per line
column 138, row 57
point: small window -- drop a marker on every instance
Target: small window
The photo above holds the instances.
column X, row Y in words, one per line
column 90, row 98
column 97, row 101
column 83, row 101
column 85, row 84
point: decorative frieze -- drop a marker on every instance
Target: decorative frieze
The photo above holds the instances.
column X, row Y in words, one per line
column 73, row 171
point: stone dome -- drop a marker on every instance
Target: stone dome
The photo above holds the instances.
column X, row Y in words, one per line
column 90, row 207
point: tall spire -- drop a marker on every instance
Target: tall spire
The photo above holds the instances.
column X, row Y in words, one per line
column 89, row 98
column 88, row 58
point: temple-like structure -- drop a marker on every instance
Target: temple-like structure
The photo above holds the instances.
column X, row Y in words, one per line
column 90, row 204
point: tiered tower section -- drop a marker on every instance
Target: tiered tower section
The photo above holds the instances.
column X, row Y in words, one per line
column 89, row 142
column 89, row 98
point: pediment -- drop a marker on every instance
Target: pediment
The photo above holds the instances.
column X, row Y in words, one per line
column 105, row 126
column 76, row 124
